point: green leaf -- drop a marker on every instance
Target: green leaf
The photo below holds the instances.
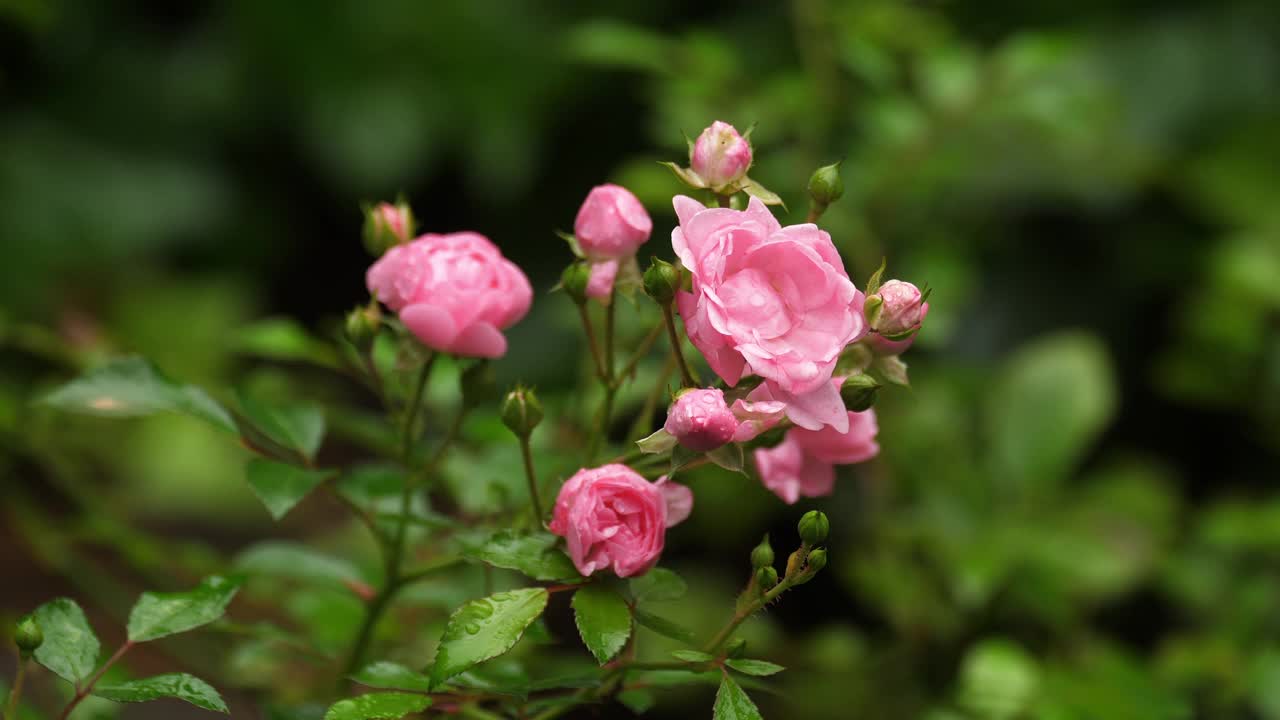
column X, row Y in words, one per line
column 283, row 339
column 70, row 649
column 681, row 456
column 664, row 627
column 657, row 585
column 134, row 387
column 873, row 282
column 297, row 427
column 378, row 706
column 728, row 457
column 280, row 486
column 685, row 175
column 603, row 618
column 761, row 193
column 574, row 246
column 1054, row 398
column 485, row 628
column 533, row 553
column 998, row 680
column 637, row 701
column 759, row 668
column 693, row 656
column 296, row 561
column 157, row 615
column 392, row 676
column 657, row 443
column 732, row 703
column 172, row 685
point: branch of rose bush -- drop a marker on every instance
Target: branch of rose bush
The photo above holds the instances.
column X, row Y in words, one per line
column 82, row 691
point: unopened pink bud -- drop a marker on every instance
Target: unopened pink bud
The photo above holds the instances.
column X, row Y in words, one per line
column 902, row 308
column 720, row 155
column 701, row 420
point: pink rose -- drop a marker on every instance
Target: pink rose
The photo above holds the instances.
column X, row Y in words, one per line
column 610, row 516
column 700, row 420
column 803, row 465
column 720, row 156
column 774, row 299
column 757, row 413
column 456, row 293
column 394, row 219
column 610, row 226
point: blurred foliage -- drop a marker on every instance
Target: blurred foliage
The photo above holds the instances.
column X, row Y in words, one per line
column 1075, row 513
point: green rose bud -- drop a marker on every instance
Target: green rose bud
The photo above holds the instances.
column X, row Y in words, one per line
column 817, row 560
column 521, row 411
column 661, row 281
column 766, row 578
column 826, row 185
column 859, row 392
column 814, row 527
column 762, row 555
column 736, row 648
column 362, row 326
column 28, row 636
column 574, row 280
column 479, row 385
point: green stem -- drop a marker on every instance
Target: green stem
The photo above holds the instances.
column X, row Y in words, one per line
column 686, row 374
column 644, row 421
column 641, row 351
column 745, row 612
column 532, row 477
column 11, row 710
column 589, row 329
column 365, row 635
column 83, row 691
column 415, row 404
column 477, row 713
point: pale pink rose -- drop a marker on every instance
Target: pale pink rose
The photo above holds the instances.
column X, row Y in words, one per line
column 774, row 300
column 902, row 310
column 855, row 446
column 720, row 156
column 701, row 420
column 757, row 413
column 456, row 293
column 611, row 225
column 790, row 473
column 803, row 464
column 610, row 516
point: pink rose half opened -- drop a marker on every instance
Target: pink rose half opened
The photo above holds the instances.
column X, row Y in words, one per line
column 611, row 225
column 771, row 300
column 456, row 293
column 804, row 464
column 611, row 517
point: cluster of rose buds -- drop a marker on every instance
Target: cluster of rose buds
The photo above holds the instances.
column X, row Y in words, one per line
column 771, row 308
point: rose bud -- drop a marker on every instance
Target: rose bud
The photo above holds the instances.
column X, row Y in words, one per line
column 362, row 325
column 611, row 517
column 611, row 225
column 762, row 555
column 456, row 293
column 898, row 310
column 521, row 411
column 701, row 420
column 814, row 527
column 28, row 636
column 387, row 225
column 825, row 185
column 859, row 392
column 661, row 281
column 574, row 280
column 720, row 156
column 766, row 577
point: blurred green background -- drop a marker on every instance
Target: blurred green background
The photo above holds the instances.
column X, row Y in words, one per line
column 1076, row 512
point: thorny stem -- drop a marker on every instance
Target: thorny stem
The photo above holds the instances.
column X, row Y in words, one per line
column 747, row 611
column 641, row 351
column 686, row 375
column 83, row 691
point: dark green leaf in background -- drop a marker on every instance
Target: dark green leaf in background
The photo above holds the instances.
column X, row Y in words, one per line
column 378, row 706
column 533, row 553
column 133, row 387
column 279, row 486
column 156, row 615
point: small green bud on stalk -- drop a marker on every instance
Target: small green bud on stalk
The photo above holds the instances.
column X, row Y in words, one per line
column 817, row 560
column 814, row 528
column 521, row 411
column 362, row 326
column 762, row 555
column 28, row 636
column 766, row 578
column 859, row 392
column 825, row 185
column 661, row 281
column 387, row 225
column 736, row 649
column 479, row 385
column 574, row 280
